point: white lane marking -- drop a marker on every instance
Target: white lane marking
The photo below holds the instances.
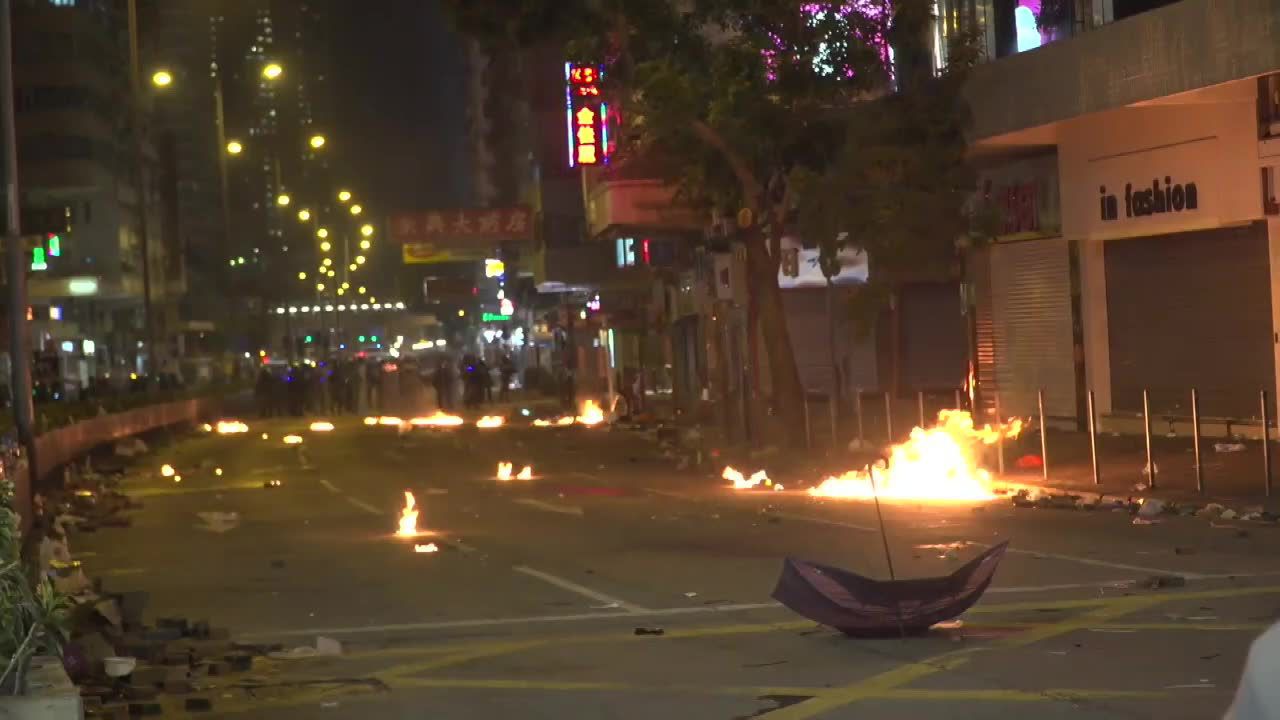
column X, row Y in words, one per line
column 364, row 506
column 582, row 590
column 330, row 486
column 1064, row 586
column 549, row 507
column 491, row 622
column 1100, row 563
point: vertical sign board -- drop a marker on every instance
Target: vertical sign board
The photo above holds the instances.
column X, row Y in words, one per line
column 586, row 115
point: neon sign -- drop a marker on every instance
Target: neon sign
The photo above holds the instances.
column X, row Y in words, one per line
column 586, row 116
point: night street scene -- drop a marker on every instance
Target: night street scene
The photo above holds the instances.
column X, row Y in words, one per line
column 640, row 359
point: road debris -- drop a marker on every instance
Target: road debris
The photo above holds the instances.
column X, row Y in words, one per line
column 650, row 631
column 1160, row 582
column 1229, row 447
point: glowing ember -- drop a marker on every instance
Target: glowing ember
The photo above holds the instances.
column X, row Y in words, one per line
column 231, row 427
column 166, row 470
column 206, row 427
column 408, row 517
column 759, row 477
column 934, row 465
column 591, row 414
column 428, row 548
column 266, row 436
column 504, row 471
column 292, row 439
column 321, row 426
column 371, row 421
column 564, row 421
column 217, row 471
column 384, row 420
column 525, row 474
column 177, row 478
column 437, row 419
column 491, row 421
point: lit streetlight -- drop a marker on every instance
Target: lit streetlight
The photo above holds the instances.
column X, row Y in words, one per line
column 302, row 275
column 304, row 215
column 327, row 262
column 356, row 209
column 345, row 285
column 234, row 147
column 365, row 244
column 352, row 267
column 317, row 141
column 344, row 195
column 283, row 200
column 359, row 259
column 341, row 291
column 322, row 233
column 162, row 78
column 360, row 289
column 319, row 287
column 331, row 273
column 272, row 71
column 366, row 230
column 325, row 246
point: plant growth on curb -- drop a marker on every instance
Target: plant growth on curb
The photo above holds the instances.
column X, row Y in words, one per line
column 32, row 613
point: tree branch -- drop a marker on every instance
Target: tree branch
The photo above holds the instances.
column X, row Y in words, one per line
column 750, row 185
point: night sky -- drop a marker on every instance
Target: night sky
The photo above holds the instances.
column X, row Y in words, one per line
column 400, row 96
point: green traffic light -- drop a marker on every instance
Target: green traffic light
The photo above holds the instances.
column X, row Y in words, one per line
column 307, row 339
column 373, row 339
column 361, row 338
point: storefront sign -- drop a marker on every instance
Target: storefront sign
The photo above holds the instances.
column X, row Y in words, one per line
column 463, row 228
column 431, row 254
column 1023, row 196
column 1160, row 198
column 586, row 115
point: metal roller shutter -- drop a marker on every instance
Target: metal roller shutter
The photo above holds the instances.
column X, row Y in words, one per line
column 806, row 312
column 1191, row 310
column 1031, row 327
column 933, row 337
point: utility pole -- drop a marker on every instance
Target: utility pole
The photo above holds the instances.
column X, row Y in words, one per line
column 140, row 186
column 15, row 252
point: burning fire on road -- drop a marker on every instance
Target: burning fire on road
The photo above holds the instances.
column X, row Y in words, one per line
column 321, row 426
column 505, row 472
column 231, row 427
column 934, row 465
column 391, row 421
column 491, row 421
column 292, row 439
column 590, row 415
column 408, row 517
column 741, row 482
column 428, row 548
column 437, row 419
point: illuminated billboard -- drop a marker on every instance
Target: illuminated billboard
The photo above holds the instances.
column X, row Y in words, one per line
column 586, row 115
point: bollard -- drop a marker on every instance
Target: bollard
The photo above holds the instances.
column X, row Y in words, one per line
column 1093, row 438
column 1044, row 436
column 1195, row 437
column 808, row 430
column 995, row 397
column 1266, row 447
column 1146, row 432
column 888, row 416
column 857, row 401
column 959, row 402
column 920, row 406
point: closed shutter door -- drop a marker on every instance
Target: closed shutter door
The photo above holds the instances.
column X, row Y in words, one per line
column 979, row 271
column 932, row 337
column 1191, row 310
column 806, row 312
column 1031, row 324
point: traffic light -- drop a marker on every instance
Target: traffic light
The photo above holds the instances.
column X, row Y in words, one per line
column 38, row 261
column 361, row 338
column 308, row 340
column 373, row 339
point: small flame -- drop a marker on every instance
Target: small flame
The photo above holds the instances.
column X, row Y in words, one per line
column 408, row 517
column 428, row 548
column 371, row 421
column 591, row 414
column 321, row 426
column 491, row 421
column 206, row 427
column 166, row 470
column 292, row 439
column 937, row 465
column 525, row 474
column 217, row 471
column 385, row 420
column 231, row 427
column 437, row 419
column 177, row 478
column 504, row 471
column 759, row 477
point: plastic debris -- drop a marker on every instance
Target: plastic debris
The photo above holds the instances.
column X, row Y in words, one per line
column 1228, row 447
column 1151, row 507
column 1227, row 514
column 1211, row 510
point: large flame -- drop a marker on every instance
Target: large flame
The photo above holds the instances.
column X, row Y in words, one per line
column 371, row 421
column 504, row 471
column 408, row 517
column 321, row 426
column 392, row 421
column 938, row 464
column 491, row 421
column 231, row 427
column 526, row 473
column 437, row 419
column 166, row 470
column 591, row 414
column 741, row 482
column 292, row 439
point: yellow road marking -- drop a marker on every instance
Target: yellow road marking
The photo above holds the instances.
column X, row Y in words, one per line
column 997, row 695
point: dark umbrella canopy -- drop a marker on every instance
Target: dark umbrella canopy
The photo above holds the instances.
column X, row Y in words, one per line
column 863, row 607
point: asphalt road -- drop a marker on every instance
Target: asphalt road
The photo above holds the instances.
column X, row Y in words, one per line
column 529, row 608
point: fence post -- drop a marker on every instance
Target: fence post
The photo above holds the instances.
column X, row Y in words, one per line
column 1195, row 437
column 920, row 406
column 857, row 401
column 1266, row 446
column 1146, row 432
column 995, row 396
column 1044, row 436
column 888, row 416
column 1093, row 439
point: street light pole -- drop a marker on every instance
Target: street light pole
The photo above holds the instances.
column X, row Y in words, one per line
column 140, row 183
column 15, row 255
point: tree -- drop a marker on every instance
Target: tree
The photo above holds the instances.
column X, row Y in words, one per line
column 744, row 103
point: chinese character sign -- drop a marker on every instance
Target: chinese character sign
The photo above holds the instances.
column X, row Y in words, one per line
column 470, row 228
column 586, row 116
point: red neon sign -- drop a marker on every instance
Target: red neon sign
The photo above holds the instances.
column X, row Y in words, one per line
column 586, row 116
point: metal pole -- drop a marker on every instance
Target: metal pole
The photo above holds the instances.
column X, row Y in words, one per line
column 1266, row 446
column 835, row 422
column 920, row 406
column 140, row 187
column 857, row 404
column 1044, row 436
column 995, row 397
column 1195, row 437
column 959, row 404
column 1093, row 438
column 1146, row 431
column 15, row 256
column 808, row 432
column 888, row 416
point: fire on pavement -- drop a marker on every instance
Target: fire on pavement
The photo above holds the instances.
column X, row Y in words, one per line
column 505, row 472
column 437, row 419
column 491, row 421
column 408, row 517
column 741, row 482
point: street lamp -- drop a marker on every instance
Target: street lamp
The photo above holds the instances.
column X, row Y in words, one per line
column 283, row 200
column 319, row 287
column 322, row 233
column 317, row 141
column 304, row 215
column 162, row 78
column 366, row 230
column 272, row 71
column 365, row 244
column 234, row 147
column 352, row 267
column 344, row 195
column 360, row 289
column 356, row 209
column 359, row 259
column 327, row 262
column 331, row 273
column 302, row 275
column 325, row 246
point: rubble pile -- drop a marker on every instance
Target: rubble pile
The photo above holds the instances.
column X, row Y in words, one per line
column 1146, row 510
